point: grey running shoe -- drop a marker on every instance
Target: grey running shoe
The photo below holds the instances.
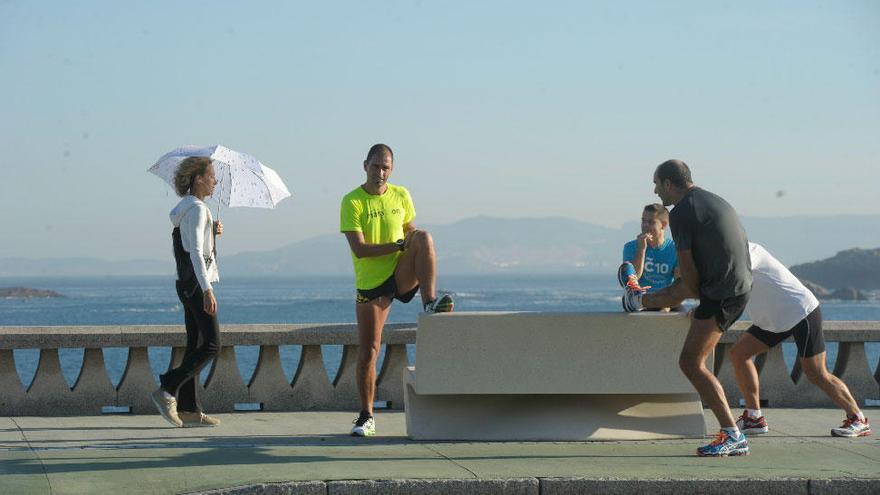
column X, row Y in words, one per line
column 194, row 419
column 167, row 407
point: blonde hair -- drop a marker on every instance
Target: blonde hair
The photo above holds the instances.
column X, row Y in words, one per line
column 187, row 171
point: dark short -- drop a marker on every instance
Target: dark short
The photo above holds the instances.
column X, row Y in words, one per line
column 388, row 288
column 725, row 311
column 807, row 335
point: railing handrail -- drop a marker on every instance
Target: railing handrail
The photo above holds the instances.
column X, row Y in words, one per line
column 95, row 336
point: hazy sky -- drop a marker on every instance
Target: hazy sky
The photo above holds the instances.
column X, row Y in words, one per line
column 494, row 108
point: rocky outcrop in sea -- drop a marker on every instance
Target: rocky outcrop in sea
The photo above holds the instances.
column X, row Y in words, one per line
column 27, row 293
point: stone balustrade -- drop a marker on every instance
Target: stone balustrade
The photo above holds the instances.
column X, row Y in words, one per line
column 50, row 395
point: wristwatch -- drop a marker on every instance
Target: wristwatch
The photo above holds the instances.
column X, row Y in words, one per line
column 400, row 244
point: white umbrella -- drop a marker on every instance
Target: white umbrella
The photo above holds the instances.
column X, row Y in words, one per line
column 241, row 179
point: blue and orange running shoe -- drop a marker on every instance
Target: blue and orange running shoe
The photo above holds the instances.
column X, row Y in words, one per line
column 725, row 445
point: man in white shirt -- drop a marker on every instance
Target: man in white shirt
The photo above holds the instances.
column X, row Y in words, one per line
column 781, row 306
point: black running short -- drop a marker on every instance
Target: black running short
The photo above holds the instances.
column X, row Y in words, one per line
column 807, row 335
column 725, row 311
column 388, row 288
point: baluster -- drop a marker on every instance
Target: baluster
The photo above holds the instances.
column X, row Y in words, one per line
column 269, row 385
column 852, row 367
column 137, row 383
column 777, row 385
column 12, row 395
column 176, row 357
column 345, row 384
column 808, row 394
column 92, row 389
column 390, row 387
column 311, row 387
column 49, row 394
column 726, row 374
column 224, row 386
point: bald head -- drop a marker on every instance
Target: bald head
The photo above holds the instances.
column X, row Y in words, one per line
column 378, row 150
column 676, row 172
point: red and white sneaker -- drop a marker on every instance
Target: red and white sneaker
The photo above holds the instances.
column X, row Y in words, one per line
column 750, row 425
column 852, row 427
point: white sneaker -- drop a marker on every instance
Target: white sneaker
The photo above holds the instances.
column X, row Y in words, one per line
column 364, row 427
column 852, row 427
column 167, row 407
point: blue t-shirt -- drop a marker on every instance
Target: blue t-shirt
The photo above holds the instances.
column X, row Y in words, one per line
column 660, row 263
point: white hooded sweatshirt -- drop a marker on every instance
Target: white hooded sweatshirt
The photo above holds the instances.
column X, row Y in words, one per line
column 196, row 224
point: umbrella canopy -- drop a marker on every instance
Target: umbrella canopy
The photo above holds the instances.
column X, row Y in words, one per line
column 241, row 179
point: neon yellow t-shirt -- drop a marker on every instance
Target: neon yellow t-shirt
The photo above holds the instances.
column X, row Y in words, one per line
column 381, row 220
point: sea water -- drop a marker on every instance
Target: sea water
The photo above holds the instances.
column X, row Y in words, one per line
column 152, row 300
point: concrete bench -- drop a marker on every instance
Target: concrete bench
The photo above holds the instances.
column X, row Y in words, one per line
column 550, row 376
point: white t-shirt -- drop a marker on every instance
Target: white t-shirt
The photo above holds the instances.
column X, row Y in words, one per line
column 778, row 301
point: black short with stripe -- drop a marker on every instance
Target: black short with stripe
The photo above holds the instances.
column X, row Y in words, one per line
column 807, row 335
column 388, row 288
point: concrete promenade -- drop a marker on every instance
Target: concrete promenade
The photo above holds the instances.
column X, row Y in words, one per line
column 311, row 452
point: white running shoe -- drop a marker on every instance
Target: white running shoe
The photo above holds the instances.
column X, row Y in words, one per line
column 751, row 426
column 364, row 426
column 852, row 427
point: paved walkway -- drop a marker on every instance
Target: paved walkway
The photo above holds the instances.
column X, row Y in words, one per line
column 129, row 455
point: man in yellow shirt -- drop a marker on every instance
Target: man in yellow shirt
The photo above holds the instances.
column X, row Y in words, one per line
column 392, row 260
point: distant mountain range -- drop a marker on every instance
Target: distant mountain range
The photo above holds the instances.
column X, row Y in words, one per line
column 494, row 245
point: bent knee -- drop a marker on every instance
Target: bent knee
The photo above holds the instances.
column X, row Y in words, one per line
column 422, row 238
column 688, row 366
column 739, row 354
column 816, row 375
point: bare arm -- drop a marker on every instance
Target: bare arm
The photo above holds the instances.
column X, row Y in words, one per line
column 408, row 230
column 685, row 286
column 363, row 250
column 639, row 258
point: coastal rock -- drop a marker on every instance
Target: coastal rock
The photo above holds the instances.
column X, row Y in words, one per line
column 856, row 268
column 27, row 293
column 817, row 290
column 847, row 294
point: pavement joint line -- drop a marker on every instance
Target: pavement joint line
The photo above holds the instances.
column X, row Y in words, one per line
column 835, row 445
column 441, row 454
column 36, row 454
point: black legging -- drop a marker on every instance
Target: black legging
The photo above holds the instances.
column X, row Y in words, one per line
column 200, row 326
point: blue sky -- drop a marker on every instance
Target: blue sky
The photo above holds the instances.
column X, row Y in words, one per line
column 497, row 108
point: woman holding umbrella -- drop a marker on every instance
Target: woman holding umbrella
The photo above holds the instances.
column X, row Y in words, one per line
column 195, row 254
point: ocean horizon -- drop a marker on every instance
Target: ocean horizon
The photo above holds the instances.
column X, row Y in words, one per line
column 247, row 300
